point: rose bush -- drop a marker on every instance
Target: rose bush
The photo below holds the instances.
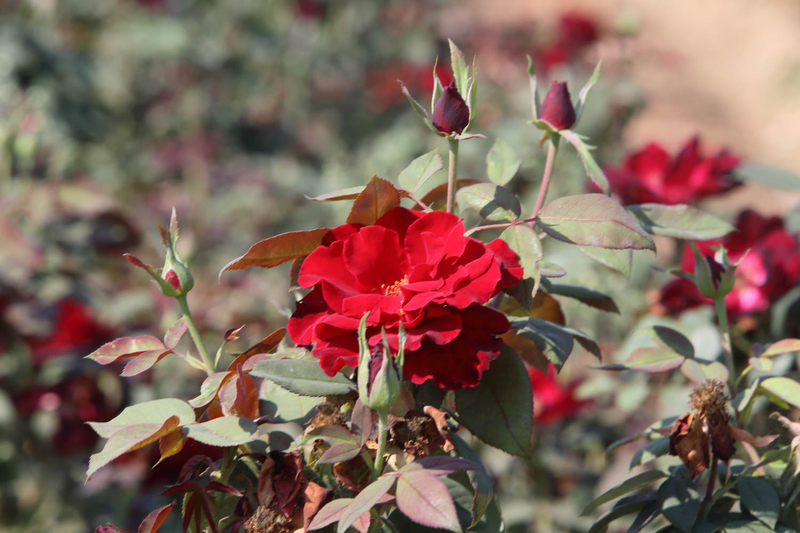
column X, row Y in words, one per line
column 411, row 268
column 651, row 175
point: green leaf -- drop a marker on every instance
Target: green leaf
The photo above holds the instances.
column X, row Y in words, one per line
column 760, row 499
column 581, row 102
column 303, row 377
column 419, row 110
column 785, row 389
column 424, row 498
column 287, row 405
column 590, row 297
column 679, row 221
column 415, row 175
column 535, row 105
column 626, row 506
column 279, row 249
column 767, row 175
column 679, row 502
column 460, row 69
column 378, row 198
column 669, row 338
column 223, row 431
column 650, row 451
column 152, row 412
column 651, row 360
column 492, row 202
column 342, row 451
column 499, row 410
column 593, row 220
column 699, row 371
column 502, row 162
column 524, row 241
column 619, row 260
column 364, row 501
column 350, row 193
column 781, row 347
column 551, row 339
column 593, row 170
column 552, row 270
column 128, row 439
column 480, row 479
column 329, row 433
column 627, row 486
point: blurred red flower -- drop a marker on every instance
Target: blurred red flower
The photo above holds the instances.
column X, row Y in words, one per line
column 551, row 400
column 383, row 91
column 411, row 267
column 767, row 272
column 652, row 176
column 76, row 400
column 74, row 329
column 576, row 31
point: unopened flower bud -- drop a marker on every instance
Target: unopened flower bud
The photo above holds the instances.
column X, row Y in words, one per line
column 556, row 108
column 714, row 275
column 451, row 113
column 379, row 374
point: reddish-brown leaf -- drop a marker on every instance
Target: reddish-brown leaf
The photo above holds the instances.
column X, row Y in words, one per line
column 144, row 361
column 171, row 444
column 265, row 345
column 315, row 496
column 125, row 347
column 233, row 334
column 153, row 521
column 378, row 198
column 279, row 249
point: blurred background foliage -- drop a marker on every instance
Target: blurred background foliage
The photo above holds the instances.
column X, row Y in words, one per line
column 113, row 111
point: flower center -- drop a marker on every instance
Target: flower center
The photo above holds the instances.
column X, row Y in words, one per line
column 394, row 288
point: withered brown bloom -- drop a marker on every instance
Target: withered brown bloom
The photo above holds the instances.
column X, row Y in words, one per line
column 707, row 432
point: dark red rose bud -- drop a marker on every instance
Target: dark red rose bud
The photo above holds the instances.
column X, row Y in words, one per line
column 557, row 107
column 451, row 114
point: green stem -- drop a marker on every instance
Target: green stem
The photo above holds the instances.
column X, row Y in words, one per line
column 451, row 174
column 552, row 148
column 195, row 333
column 722, row 317
column 225, row 473
column 383, row 433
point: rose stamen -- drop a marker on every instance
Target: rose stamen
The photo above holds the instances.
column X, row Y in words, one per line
column 394, row 288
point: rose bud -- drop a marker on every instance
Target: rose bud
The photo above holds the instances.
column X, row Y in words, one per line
column 451, row 113
column 714, row 278
column 379, row 374
column 557, row 109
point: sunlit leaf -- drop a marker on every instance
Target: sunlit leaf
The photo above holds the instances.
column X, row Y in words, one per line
column 424, row 498
column 304, row 377
column 421, row 169
column 152, row 412
column 279, row 249
column 125, row 347
column 679, row 221
column 490, row 201
column 618, row 260
column 502, row 162
column 378, row 198
column 593, row 220
column 224, row 431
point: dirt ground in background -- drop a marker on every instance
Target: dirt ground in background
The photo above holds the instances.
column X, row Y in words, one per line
column 726, row 69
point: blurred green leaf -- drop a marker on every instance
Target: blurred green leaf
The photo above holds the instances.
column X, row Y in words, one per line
column 502, row 162
column 679, row 221
column 619, row 260
column 629, row 485
column 767, row 175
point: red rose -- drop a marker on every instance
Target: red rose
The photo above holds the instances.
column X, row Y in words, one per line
column 767, row 272
column 552, row 401
column 651, row 176
column 74, row 329
column 411, row 267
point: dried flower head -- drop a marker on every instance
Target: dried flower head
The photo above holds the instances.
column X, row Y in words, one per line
column 708, row 398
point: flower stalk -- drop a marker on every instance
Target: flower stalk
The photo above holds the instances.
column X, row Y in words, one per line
column 552, row 148
column 383, row 433
column 452, row 171
column 195, row 333
column 724, row 326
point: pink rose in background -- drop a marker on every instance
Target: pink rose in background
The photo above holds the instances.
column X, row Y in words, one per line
column 770, row 269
